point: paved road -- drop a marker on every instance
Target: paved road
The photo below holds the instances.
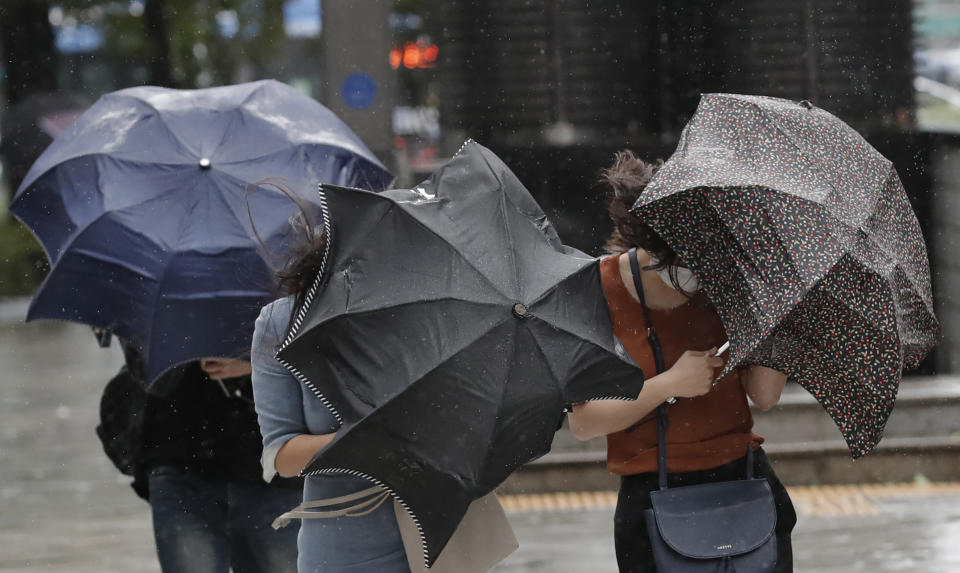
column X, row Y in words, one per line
column 840, row 530
column 64, row 509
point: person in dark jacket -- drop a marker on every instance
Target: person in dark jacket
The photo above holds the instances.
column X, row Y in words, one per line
column 193, row 445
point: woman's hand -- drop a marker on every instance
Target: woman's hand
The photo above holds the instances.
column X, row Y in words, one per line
column 691, row 375
column 220, row 368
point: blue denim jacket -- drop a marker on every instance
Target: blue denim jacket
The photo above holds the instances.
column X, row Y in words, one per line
column 286, row 408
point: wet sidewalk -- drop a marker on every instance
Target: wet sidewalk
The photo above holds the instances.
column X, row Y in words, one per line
column 904, row 528
column 64, row 509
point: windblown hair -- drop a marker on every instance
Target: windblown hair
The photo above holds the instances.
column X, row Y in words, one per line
column 303, row 262
column 626, row 179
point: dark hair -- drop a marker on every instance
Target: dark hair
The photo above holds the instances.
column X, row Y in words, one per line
column 626, row 180
column 305, row 258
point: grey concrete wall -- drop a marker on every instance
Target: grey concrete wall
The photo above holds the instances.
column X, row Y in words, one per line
column 921, row 438
column 945, row 240
column 357, row 40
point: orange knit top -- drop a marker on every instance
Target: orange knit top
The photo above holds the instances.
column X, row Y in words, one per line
column 704, row 432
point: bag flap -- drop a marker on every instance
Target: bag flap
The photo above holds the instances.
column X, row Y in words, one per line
column 715, row 519
column 483, row 539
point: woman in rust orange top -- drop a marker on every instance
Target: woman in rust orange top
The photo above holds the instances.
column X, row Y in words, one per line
column 710, row 426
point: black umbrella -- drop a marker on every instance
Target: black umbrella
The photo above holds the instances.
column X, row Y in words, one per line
column 450, row 331
column 803, row 237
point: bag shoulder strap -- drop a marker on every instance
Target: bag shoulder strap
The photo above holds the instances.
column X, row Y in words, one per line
column 663, row 420
column 364, row 502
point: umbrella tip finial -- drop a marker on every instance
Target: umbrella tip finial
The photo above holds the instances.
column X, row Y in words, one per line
column 520, row 311
column 806, row 103
column 204, row 163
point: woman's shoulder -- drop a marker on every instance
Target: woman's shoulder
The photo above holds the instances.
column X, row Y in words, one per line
column 643, row 257
column 274, row 317
column 281, row 306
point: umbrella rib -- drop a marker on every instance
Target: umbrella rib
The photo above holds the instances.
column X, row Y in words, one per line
column 452, row 354
column 243, row 217
column 400, row 500
column 384, row 308
column 282, row 150
column 551, row 290
column 81, row 232
column 394, row 205
column 776, row 237
column 493, row 429
column 301, row 313
column 93, row 156
column 793, row 142
column 130, row 160
column 305, row 380
column 54, row 264
column 816, row 283
column 160, row 116
column 235, row 113
column 388, row 489
column 249, row 97
column 297, row 320
column 797, row 301
column 506, row 225
column 513, row 255
column 446, row 359
column 163, row 275
column 800, row 150
column 505, row 198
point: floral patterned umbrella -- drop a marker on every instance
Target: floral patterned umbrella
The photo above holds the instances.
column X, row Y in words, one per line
column 803, row 237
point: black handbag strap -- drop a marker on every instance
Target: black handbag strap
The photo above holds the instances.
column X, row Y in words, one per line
column 663, row 419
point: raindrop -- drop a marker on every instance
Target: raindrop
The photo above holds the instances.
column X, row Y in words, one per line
column 204, row 79
column 55, row 16
column 62, row 412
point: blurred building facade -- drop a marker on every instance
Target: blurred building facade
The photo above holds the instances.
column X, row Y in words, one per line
column 557, row 86
column 558, row 72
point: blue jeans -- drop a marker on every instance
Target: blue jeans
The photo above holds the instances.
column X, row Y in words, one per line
column 208, row 526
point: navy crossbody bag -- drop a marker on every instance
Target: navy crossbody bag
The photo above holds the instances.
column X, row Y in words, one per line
column 721, row 527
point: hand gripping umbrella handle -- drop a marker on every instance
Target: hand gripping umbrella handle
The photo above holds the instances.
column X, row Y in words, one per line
column 651, row 333
column 723, row 348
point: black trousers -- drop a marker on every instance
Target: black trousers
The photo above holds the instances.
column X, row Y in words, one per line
column 630, row 530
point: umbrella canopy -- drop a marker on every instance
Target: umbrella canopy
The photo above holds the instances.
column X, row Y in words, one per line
column 450, row 330
column 804, row 239
column 142, row 208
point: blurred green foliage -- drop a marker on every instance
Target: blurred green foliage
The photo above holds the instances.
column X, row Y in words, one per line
column 184, row 43
column 22, row 262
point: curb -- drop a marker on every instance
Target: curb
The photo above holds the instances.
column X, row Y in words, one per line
column 14, row 309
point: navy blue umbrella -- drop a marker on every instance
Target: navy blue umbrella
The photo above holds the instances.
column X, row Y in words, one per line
column 142, row 208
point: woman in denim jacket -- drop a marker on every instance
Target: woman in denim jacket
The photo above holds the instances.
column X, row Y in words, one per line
column 296, row 425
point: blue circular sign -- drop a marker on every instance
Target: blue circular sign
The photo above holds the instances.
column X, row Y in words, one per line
column 358, row 90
